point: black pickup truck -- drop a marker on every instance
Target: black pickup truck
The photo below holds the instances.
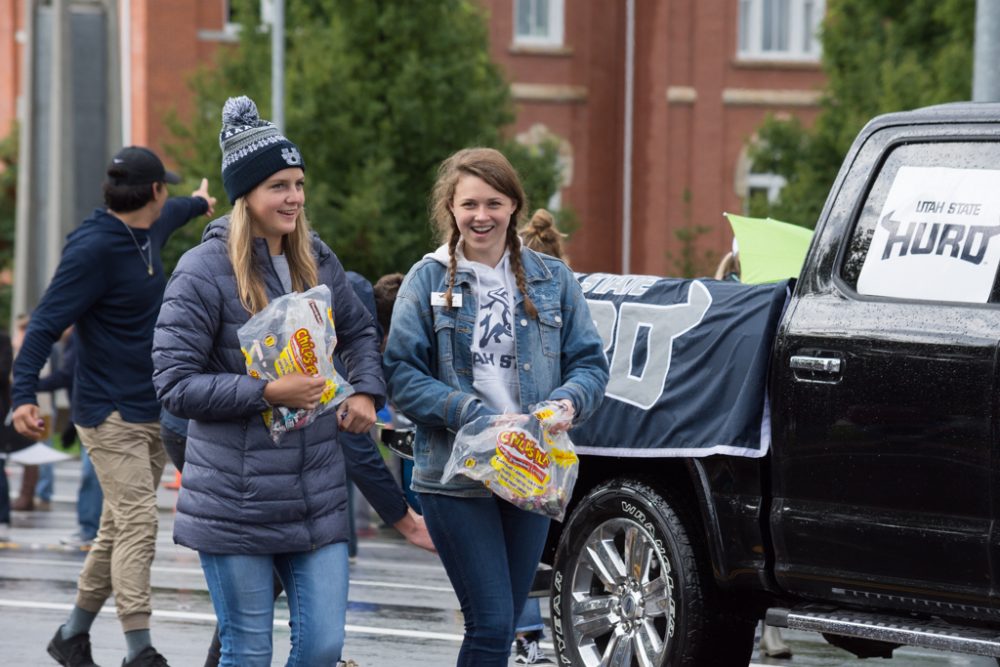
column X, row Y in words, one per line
column 865, row 507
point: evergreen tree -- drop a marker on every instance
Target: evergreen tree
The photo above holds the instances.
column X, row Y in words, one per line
column 378, row 93
column 8, row 199
column 879, row 56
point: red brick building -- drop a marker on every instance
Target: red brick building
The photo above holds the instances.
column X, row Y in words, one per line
column 656, row 100
column 653, row 100
column 165, row 41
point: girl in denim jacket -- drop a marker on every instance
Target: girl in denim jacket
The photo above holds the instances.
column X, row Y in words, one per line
column 484, row 326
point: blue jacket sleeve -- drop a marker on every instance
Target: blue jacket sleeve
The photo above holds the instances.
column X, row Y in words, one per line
column 367, row 469
column 357, row 341
column 176, row 213
column 183, row 341
column 583, row 361
column 62, row 377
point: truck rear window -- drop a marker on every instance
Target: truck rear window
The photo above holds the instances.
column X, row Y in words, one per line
column 930, row 226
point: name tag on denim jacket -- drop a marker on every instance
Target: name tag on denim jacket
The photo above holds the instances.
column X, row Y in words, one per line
column 437, row 299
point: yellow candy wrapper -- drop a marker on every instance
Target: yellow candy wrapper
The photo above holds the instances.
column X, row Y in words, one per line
column 519, row 458
column 295, row 333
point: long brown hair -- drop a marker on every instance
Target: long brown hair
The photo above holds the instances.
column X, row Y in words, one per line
column 296, row 246
column 495, row 170
column 542, row 235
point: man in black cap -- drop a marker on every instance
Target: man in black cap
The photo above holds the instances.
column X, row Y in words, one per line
column 110, row 283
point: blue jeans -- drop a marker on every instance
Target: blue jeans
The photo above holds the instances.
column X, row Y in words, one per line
column 46, row 482
column 489, row 549
column 89, row 498
column 4, row 493
column 530, row 619
column 242, row 592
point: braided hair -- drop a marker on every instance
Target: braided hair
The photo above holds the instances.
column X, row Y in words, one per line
column 495, row 170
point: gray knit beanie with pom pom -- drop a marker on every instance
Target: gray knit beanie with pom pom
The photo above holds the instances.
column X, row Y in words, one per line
column 252, row 148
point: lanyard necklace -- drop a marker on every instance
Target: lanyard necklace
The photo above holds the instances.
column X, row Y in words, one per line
column 148, row 259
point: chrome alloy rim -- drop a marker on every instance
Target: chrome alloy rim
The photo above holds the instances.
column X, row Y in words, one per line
column 623, row 609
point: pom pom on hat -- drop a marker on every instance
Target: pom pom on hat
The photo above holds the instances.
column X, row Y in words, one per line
column 252, row 148
column 240, row 111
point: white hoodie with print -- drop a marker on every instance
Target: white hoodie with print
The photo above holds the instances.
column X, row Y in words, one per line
column 494, row 351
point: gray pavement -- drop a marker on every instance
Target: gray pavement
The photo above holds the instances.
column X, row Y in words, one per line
column 402, row 610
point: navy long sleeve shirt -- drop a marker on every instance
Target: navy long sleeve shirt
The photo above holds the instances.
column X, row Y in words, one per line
column 103, row 284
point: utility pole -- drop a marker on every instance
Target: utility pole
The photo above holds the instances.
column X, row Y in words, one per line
column 69, row 122
column 986, row 65
column 278, row 64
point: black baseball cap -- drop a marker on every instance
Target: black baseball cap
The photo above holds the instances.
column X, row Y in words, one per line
column 135, row 165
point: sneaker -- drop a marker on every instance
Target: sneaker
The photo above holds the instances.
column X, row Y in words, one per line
column 148, row 658
column 772, row 645
column 4, row 532
column 77, row 541
column 72, row 652
column 528, row 651
column 43, row 505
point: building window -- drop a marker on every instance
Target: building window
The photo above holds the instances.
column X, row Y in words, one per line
column 780, row 29
column 538, row 22
column 232, row 12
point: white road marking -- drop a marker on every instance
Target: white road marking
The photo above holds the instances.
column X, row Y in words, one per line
column 76, row 565
column 210, row 618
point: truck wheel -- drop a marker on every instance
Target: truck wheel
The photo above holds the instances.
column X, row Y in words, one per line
column 632, row 586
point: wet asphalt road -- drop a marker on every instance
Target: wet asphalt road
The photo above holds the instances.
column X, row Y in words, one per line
column 402, row 610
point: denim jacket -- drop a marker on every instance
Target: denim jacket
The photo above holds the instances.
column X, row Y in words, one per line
column 428, row 358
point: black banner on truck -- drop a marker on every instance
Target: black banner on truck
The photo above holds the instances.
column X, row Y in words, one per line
column 689, row 362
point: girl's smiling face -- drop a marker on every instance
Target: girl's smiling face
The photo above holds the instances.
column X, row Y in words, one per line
column 483, row 215
column 275, row 205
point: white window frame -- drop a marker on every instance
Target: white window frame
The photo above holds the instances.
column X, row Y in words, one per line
column 234, row 27
column 768, row 182
column 803, row 45
column 556, row 17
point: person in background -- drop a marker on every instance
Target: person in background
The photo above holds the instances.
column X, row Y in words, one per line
column 6, row 361
column 37, row 481
column 481, row 327
column 246, row 506
column 729, row 266
column 772, row 644
column 396, row 425
column 109, row 282
column 541, row 235
column 89, row 497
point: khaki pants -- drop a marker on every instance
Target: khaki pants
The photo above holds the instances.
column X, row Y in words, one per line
column 129, row 460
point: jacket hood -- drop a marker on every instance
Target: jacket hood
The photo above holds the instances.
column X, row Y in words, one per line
column 217, row 229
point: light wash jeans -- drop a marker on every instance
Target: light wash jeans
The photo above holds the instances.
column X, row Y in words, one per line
column 46, row 481
column 89, row 498
column 242, row 590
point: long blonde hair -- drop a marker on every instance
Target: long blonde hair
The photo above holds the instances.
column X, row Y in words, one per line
column 296, row 246
column 495, row 170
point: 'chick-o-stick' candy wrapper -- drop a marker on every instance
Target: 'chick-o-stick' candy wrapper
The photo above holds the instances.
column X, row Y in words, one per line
column 295, row 333
column 519, row 458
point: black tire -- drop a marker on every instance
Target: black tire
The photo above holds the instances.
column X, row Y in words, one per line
column 632, row 587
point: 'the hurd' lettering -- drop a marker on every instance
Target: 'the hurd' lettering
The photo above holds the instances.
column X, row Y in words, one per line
column 965, row 242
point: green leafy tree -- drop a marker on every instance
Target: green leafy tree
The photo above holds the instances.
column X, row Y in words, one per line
column 378, row 93
column 8, row 199
column 879, row 56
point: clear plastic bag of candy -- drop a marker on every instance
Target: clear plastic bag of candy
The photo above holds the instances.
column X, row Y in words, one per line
column 519, row 458
column 295, row 333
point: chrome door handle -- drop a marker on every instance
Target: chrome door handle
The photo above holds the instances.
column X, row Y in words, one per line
column 815, row 364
